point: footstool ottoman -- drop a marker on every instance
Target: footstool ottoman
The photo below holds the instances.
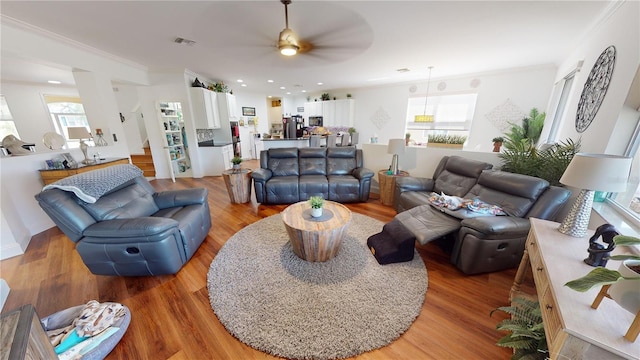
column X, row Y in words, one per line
column 394, row 244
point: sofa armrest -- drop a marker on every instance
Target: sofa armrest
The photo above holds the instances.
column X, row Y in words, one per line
column 362, row 173
column 127, row 228
column 183, row 197
column 261, row 174
column 502, row 226
column 409, row 183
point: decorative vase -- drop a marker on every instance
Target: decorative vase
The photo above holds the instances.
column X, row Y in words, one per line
column 627, row 292
column 316, row 212
column 497, row 146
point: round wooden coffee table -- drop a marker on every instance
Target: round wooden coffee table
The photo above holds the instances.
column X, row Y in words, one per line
column 316, row 239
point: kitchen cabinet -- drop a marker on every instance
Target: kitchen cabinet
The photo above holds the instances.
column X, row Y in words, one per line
column 227, row 107
column 334, row 112
column 205, row 108
column 174, row 143
column 217, row 159
column 313, row 109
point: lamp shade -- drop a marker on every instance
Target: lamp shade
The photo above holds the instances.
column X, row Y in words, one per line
column 598, row 172
column 396, row 146
column 79, row 132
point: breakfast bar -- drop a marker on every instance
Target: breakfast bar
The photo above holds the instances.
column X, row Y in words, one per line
column 285, row 143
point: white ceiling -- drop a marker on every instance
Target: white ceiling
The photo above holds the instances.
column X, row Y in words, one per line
column 357, row 43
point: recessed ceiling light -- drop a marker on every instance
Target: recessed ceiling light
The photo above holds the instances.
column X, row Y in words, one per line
column 304, row 90
column 320, row 83
column 54, row 82
column 282, row 87
column 269, row 96
column 288, row 93
column 244, row 85
column 240, row 80
column 269, row 81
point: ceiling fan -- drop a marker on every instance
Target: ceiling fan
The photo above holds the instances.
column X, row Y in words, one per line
column 288, row 43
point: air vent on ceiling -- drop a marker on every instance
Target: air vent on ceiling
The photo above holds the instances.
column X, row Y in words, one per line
column 180, row 40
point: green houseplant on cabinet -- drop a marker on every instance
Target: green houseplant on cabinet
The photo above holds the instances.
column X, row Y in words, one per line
column 446, row 141
column 354, row 136
column 622, row 285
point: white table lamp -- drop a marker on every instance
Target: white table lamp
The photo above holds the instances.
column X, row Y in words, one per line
column 395, row 147
column 81, row 133
column 591, row 173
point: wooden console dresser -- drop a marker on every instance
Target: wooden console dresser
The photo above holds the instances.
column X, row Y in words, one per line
column 53, row 175
column 574, row 330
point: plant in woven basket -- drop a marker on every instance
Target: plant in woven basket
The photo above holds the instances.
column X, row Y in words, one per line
column 526, row 337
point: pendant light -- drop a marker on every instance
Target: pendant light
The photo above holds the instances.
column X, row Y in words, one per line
column 424, row 117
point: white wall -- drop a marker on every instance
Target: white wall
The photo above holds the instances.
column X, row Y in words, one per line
column 525, row 87
column 622, row 30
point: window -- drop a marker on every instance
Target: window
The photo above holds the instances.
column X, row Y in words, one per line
column 565, row 85
column 452, row 115
column 628, row 202
column 7, row 125
column 67, row 112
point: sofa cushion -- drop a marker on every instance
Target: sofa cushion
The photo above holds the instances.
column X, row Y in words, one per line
column 344, row 188
column 458, row 175
column 514, row 193
column 282, row 190
column 313, row 185
column 130, row 202
column 313, row 161
column 341, row 160
column 283, row 161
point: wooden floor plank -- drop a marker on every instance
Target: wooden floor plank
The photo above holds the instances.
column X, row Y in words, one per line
column 172, row 317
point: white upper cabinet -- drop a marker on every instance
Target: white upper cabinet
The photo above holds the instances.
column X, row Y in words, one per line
column 333, row 112
column 227, row 106
column 344, row 112
column 313, row 109
column 205, row 108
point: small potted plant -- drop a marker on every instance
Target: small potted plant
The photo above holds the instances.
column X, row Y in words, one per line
column 407, row 138
column 497, row 143
column 236, row 161
column 354, row 135
column 317, row 203
column 325, row 97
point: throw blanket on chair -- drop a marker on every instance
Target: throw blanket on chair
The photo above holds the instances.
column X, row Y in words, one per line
column 91, row 185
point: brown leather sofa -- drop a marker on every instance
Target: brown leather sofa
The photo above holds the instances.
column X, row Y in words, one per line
column 485, row 243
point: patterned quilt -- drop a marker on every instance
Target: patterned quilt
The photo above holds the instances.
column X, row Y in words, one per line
column 91, row 185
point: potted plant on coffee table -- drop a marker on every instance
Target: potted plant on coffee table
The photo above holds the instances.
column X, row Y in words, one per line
column 317, row 203
column 236, row 161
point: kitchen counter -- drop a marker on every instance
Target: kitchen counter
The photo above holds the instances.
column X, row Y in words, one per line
column 285, row 143
column 210, row 143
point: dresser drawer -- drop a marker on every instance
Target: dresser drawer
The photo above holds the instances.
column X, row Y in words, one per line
column 550, row 317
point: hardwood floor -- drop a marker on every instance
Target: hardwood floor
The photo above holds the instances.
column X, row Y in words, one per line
column 172, row 317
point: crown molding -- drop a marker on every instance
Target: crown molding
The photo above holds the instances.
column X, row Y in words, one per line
column 21, row 25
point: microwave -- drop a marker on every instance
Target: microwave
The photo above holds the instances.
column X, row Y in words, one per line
column 315, row 120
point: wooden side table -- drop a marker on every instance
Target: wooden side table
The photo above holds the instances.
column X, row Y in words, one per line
column 23, row 336
column 387, row 186
column 238, row 184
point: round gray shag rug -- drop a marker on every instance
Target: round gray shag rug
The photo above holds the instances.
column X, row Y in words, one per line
column 275, row 302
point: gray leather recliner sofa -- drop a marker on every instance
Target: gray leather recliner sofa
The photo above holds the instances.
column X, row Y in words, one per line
column 131, row 230
column 486, row 243
column 289, row 175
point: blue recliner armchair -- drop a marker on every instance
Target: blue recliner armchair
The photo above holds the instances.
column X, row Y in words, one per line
column 122, row 226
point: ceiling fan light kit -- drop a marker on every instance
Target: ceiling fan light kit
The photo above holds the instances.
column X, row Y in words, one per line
column 288, row 41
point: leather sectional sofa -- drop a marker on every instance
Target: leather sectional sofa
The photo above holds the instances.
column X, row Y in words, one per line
column 289, row 175
column 484, row 243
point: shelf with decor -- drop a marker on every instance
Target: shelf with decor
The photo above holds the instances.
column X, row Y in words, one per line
column 174, row 138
